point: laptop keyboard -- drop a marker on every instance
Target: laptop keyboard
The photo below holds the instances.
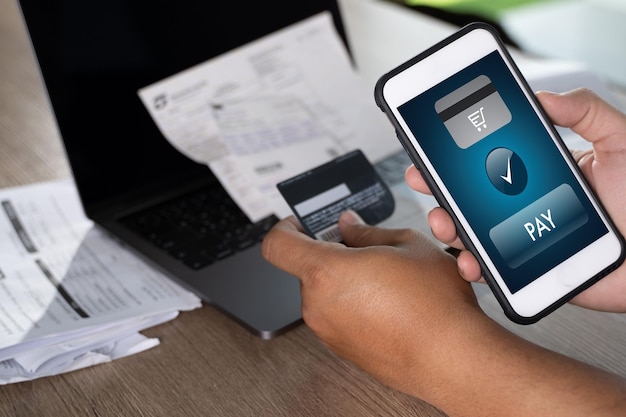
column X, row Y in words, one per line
column 199, row 228
column 206, row 226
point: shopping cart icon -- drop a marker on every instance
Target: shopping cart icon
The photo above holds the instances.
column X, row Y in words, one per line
column 476, row 101
column 478, row 119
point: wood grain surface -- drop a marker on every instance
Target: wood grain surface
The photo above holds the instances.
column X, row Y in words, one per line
column 207, row 365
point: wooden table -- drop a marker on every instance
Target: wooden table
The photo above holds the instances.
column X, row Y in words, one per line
column 206, row 364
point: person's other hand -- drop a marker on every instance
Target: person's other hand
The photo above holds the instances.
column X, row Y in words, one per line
column 604, row 167
column 374, row 299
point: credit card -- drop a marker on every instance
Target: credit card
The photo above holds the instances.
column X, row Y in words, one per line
column 318, row 197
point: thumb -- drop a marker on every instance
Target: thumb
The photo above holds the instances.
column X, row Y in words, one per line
column 356, row 233
column 589, row 116
column 288, row 248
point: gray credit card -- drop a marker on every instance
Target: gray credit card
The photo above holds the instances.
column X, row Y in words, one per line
column 473, row 111
column 318, row 197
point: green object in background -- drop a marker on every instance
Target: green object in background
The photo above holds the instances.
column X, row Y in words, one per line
column 489, row 9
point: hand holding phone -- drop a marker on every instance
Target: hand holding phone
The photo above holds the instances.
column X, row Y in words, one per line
column 471, row 124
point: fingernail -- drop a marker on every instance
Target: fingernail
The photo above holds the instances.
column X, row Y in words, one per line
column 547, row 92
column 350, row 217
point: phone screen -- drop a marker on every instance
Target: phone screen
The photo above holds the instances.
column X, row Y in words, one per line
column 505, row 172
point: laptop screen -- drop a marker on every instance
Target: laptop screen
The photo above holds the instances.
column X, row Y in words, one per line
column 94, row 56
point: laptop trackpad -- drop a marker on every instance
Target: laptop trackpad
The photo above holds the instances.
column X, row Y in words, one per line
column 261, row 297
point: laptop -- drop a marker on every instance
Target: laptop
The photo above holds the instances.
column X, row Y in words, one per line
column 94, row 56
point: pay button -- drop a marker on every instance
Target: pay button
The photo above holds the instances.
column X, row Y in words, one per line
column 538, row 226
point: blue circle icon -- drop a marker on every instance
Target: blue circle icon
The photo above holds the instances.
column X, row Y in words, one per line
column 506, row 171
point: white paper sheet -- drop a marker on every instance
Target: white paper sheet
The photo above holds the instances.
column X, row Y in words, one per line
column 270, row 110
column 68, row 290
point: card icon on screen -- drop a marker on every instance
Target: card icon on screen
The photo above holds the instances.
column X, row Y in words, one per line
column 473, row 111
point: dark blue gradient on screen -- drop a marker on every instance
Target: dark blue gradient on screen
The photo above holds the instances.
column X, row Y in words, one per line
column 463, row 170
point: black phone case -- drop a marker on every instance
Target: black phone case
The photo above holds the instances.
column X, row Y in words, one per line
column 404, row 140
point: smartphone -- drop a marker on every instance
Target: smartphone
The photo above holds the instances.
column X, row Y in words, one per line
column 471, row 124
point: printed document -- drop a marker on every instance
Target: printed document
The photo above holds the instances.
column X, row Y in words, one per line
column 70, row 295
column 270, row 110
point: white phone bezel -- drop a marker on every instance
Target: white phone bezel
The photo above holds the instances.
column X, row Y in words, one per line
column 566, row 277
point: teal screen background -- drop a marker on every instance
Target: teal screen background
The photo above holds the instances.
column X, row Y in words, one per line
column 464, row 173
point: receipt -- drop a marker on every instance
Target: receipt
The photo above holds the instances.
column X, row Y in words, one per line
column 269, row 110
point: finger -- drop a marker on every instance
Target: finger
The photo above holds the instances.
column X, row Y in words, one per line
column 286, row 242
column 356, row 233
column 469, row 268
column 589, row 116
column 415, row 180
column 443, row 228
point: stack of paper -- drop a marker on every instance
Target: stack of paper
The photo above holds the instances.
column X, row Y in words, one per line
column 71, row 296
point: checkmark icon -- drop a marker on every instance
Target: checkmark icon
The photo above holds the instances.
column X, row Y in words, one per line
column 494, row 165
column 508, row 177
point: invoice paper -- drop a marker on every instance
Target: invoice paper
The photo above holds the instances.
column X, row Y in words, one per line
column 270, row 110
column 70, row 295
